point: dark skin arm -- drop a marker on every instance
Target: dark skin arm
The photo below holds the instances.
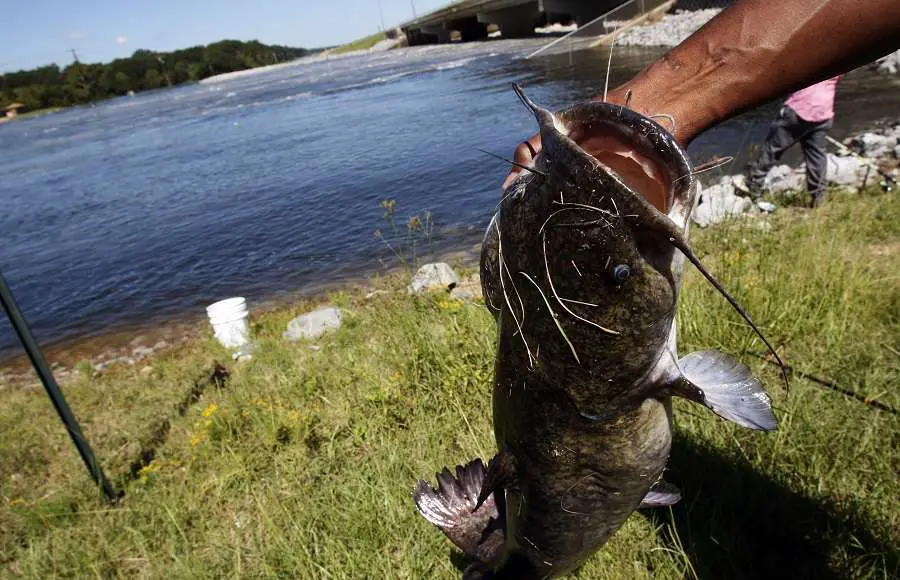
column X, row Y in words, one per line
column 751, row 53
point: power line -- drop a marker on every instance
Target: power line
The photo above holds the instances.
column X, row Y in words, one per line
column 381, row 15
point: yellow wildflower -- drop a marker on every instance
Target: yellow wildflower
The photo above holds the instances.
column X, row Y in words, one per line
column 208, row 411
column 198, row 438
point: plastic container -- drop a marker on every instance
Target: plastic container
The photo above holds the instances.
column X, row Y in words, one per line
column 229, row 319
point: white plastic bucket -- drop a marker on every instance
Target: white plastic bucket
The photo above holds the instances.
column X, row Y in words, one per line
column 229, row 319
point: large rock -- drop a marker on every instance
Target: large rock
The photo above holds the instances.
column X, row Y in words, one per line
column 894, row 131
column 784, row 178
column 313, row 324
column 889, row 64
column 873, row 145
column 438, row 275
column 463, row 294
column 718, row 202
column 847, row 170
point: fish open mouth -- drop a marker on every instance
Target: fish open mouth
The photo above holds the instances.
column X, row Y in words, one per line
column 640, row 168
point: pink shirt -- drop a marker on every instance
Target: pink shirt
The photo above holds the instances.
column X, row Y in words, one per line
column 816, row 103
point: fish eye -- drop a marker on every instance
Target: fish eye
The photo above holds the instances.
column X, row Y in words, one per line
column 621, row 273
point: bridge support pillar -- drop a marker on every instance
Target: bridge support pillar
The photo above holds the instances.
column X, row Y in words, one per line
column 469, row 29
column 513, row 22
column 582, row 11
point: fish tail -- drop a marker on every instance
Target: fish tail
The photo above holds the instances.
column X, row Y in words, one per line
column 451, row 506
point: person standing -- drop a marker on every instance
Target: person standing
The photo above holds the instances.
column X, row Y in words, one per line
column 805, row 118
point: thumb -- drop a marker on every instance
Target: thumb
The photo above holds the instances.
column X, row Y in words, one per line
column 525, row 154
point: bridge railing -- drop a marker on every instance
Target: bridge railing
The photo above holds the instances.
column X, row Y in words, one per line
column 600, row 28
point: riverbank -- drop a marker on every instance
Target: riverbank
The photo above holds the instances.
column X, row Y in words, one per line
column 303, row 460
column 133, row 346
column 32, row 114
column 378, row 42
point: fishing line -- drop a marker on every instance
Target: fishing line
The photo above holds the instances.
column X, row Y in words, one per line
column 830, row 385
column 516, row 164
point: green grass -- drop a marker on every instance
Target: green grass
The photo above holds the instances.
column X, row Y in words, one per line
column 360, row 44
column 303, row 464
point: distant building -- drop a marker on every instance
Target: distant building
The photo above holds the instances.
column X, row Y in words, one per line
column 13, row 110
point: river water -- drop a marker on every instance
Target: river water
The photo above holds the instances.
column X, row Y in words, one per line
column 144, row 209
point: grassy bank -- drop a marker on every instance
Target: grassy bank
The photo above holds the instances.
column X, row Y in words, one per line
column 302, row 463
column 363, row 43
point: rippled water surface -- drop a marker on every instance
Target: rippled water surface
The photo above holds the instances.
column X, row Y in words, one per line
column 146, row 208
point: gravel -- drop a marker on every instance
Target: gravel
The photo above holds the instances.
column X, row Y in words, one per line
column 889, row 64
column 669, row 31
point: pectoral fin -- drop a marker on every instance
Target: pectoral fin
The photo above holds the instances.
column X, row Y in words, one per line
column 660, row 495
column 501, row 474
column 724, row 385
column 478, row 531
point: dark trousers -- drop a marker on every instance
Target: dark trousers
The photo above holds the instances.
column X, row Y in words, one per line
column 785, row 131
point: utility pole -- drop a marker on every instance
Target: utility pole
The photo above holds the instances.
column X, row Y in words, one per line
column 74, row 55
column 381, row 15
column 413, row 3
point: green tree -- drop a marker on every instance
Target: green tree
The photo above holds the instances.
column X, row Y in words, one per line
column 49, row 86
column 152, row 79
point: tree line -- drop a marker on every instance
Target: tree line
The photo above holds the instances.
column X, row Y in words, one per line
column 80, row 83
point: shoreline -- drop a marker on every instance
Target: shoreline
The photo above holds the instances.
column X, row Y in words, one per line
column 135, row 344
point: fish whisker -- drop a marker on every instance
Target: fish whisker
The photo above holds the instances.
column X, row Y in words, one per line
column 506, row 296
column 554, row 214
column 504, row 198
column 555, row 295
column 618, row 214
column 704, row 167
column 584, row 224
column 590, row 207
column 555, row 317
column 568, row 491
column 514, row 163
column 688, row 253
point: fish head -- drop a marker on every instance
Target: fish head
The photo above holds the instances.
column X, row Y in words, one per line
column 587, row 234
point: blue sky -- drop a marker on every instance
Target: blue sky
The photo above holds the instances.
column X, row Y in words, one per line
column 44, row 31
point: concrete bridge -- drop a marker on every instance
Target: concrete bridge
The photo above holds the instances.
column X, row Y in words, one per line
column 469, row 19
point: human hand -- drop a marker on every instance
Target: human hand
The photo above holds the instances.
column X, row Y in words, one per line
column 753, row 52
column 527, row 150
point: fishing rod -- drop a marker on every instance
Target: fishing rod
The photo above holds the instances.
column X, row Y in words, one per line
column 828, row 384
column 53, row 391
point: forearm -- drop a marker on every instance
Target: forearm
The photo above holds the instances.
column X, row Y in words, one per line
column 758, row 50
